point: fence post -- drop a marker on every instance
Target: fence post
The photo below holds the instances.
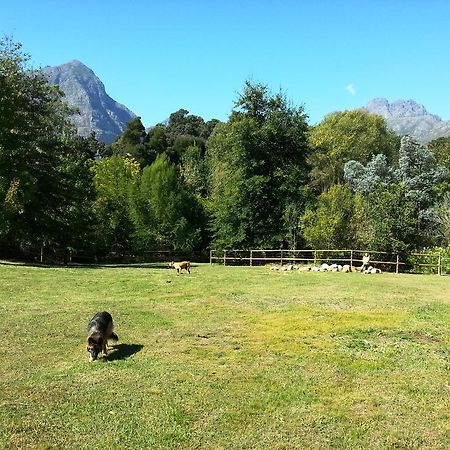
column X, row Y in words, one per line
column 42, row 253
column 251, row 258
column 315, row 257
column 210, row 257
column 281, row 255
column 351, row 259
column 396, row 265
column 439, row 265
column 224, row 257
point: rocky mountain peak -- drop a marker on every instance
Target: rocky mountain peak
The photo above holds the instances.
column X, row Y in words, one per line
column 407, row 117
column 99, row 113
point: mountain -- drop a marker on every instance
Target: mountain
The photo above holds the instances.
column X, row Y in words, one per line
column 84, row 90
column 409, row 117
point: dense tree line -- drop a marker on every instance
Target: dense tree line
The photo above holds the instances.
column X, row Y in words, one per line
column 264, row 178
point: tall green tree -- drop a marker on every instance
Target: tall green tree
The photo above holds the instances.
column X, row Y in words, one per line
column 256, row 164
column 114, row 181
column 156, row 142
column 344, row 136
column 181, row 123
column 442, row 214
column 40, row 159
column 365, row 179
column 385, row 220
column 420, row 173
column 132, row 143
column 166, row 215
column 194, row 170
column 331, row 224
column 441, row 150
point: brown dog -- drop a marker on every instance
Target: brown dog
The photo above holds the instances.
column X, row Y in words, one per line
column 179, row 266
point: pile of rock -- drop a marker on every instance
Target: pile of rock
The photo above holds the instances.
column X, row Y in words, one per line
column 346, row 268
column 331, row 268
column 371, row 269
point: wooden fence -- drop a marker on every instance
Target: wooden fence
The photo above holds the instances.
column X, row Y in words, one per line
column 412, row 262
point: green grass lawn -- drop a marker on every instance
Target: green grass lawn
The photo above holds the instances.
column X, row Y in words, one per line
column 225, row 358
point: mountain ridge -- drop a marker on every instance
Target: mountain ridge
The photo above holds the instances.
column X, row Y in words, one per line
column 99, row 113
column 408, row 117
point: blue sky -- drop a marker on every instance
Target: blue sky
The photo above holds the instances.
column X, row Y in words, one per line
column 159, row 56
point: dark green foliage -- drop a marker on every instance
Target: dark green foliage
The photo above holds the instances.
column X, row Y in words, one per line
column 181, row 123
column 331, row 225
column 114, row 179
column 249, row 176
column 413, row 187
column 385, row 220
column 177, row 150
column 156, row 142
column 442, row 219
column 165, row 213
column 256, row 168
column 420, row 173
column 44, row 175
column 441, row 151
column 132, row 143
column 194, row 171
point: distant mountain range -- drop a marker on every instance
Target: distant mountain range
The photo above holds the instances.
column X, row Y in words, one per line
column 108, row 118
column 409, row 117
column 98, row 111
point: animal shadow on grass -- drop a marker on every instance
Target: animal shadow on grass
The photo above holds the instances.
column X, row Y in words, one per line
column 123, row 351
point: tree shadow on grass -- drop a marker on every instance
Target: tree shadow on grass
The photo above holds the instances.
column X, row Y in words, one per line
column 123, row 351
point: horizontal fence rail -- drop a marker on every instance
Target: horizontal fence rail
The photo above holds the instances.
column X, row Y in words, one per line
column 412, row 262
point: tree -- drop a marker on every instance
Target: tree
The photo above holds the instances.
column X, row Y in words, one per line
column 344, row 136
column 366, row 178
column 40, row 158
column 420, row 174
column 156, row 142
column 177, row 150
column 441, row 150
column 165, row 214
column 114, row 179
column 385, row 220
column 331, row 224
column 181, row 123
column 194, row 171
column 132, row 143
column 256, row 164
column 442, row 214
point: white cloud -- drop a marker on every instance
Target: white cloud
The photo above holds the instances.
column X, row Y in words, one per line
column 351, row 89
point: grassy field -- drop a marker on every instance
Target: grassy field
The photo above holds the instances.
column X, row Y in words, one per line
column 225, row 358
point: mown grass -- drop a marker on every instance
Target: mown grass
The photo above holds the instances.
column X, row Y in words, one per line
column 225, row 358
